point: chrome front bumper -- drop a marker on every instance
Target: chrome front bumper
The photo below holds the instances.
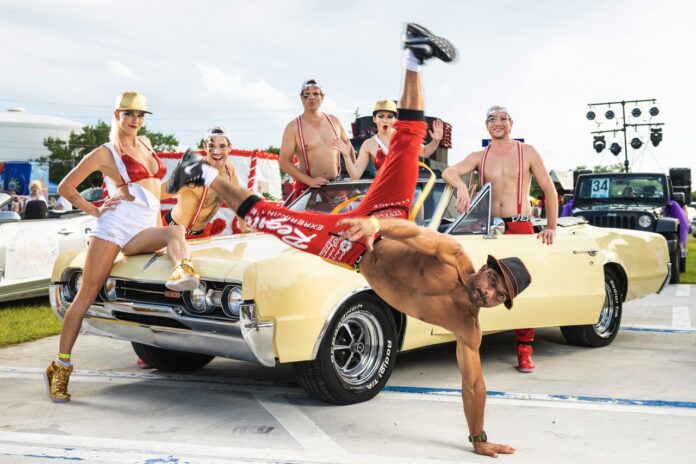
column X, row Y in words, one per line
column 247, row 339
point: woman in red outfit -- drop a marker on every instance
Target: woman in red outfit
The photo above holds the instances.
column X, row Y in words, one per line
column 126, row 223
column 376, row 148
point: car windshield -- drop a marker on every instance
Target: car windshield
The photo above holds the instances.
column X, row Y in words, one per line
column 621, row 188
column 347, row 196
column 477, row 220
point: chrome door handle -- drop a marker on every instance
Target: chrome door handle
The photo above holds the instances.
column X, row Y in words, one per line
column 589, row 252
column 65, row 232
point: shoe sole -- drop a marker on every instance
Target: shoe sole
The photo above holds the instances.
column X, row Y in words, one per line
column 47, row 384
column 443, row 49
column 525, row 370
column 186, row 284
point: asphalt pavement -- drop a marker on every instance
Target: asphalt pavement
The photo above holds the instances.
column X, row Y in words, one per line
column 631, row 402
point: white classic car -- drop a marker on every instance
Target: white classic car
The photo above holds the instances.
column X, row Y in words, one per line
column 29, row 246
column 261, row 301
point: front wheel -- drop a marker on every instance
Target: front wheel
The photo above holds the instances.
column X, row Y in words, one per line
column 604, row 331
column 356, row 356
column 170, row 360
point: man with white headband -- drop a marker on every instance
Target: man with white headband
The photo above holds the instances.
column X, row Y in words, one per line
column 509, row 166
column 196, row 206
column 317, row 140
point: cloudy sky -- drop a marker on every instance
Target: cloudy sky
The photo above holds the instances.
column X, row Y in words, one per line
column 240, row 64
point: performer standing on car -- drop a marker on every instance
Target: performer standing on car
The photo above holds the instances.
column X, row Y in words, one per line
column 377, row 147
column 395, row 266
column 126, row 223
column 196, row 206
column 316, row 139
column 509, row 166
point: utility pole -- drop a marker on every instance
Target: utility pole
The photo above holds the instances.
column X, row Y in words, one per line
column 599, row 141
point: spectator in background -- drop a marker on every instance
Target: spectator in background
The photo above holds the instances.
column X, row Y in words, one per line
column 35, row 192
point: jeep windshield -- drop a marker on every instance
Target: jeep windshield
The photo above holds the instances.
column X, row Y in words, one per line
column 621, row 189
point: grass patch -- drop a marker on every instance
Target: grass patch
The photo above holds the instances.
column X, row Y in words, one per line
column 689, row 277
column 26, row 320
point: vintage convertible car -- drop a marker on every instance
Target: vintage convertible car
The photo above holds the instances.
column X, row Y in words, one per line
column 29, row 246
column 264, row 302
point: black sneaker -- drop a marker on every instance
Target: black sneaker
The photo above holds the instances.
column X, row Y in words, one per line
column 187, row 171
column 425, row 45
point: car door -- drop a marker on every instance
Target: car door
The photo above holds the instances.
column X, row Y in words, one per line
column 567, row 285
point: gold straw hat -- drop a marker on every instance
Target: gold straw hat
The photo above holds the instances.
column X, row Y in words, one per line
column 132, row 101
column 384, row 105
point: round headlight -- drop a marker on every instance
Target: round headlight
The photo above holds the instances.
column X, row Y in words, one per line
column 110, row 288
column 198, row 298
column 78, row 283
column 645, row 221
column 232, row 301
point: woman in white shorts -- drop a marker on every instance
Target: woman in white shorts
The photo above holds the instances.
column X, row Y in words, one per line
column 128, row 222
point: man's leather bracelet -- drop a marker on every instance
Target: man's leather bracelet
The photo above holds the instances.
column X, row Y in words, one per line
column 481, row 437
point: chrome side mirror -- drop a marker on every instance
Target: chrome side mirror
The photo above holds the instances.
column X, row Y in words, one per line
column 497, row 226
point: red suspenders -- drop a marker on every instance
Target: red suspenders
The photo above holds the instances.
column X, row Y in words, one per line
column 298, row 121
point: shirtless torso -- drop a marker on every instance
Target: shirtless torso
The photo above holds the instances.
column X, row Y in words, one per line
column 438, row 296
column 501, row 166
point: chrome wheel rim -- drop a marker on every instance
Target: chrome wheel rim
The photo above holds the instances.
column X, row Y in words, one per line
column 357, row 348
column 606, row 317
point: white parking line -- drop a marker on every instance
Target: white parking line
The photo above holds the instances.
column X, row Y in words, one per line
column 680, row 317
column 95, row 449
column 682, row 290
column 301, row 427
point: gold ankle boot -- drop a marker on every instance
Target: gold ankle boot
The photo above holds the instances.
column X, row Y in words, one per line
column 184, row 277
column 56, row 378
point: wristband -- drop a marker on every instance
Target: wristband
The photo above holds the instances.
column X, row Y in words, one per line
column 481, row 437
column 374, row 222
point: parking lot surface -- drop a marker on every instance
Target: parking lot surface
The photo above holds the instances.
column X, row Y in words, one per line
column 633, row 401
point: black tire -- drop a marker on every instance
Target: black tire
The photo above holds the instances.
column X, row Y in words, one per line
column 356, row 356
column 674, row 266
column 171, row 360
column 604, row 331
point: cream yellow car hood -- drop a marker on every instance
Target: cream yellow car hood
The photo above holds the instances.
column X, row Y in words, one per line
column 227, row 256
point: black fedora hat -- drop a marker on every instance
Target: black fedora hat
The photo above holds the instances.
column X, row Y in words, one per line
column 515, row 275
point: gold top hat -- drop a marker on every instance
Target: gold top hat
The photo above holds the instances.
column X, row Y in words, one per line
column 384, row 105
column 132, row 101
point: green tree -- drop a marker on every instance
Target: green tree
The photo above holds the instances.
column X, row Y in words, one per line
column 65, row 155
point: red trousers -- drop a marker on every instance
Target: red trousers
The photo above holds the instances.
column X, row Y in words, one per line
column 519, row 228
column 390, row 195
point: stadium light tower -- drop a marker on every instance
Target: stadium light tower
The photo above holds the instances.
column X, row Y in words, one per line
column 611, row 116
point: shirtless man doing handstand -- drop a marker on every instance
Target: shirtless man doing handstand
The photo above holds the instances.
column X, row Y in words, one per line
column 420, row 272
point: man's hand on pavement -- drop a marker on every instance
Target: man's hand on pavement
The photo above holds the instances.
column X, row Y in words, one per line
column 487, row 448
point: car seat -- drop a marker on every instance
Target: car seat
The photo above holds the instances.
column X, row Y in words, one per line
column 36, row 209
